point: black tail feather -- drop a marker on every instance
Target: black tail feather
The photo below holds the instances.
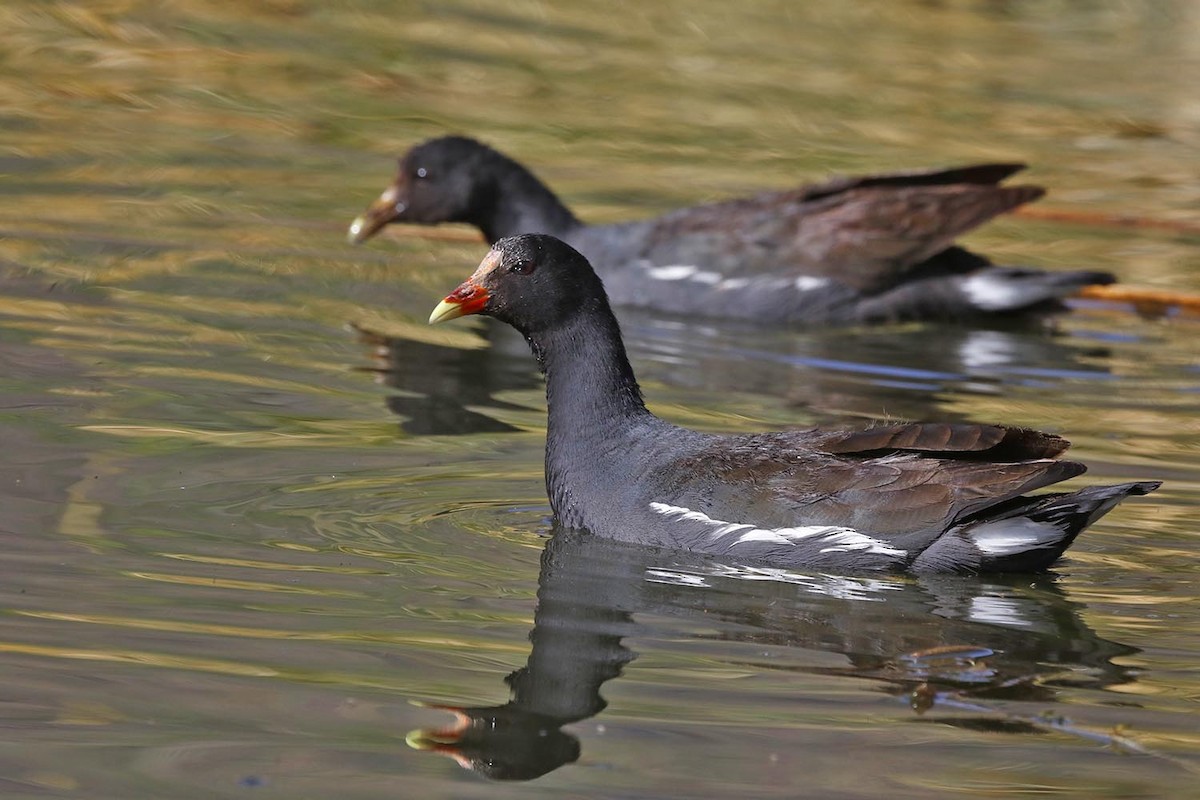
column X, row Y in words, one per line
column 1070, row 513
column 1023, row 534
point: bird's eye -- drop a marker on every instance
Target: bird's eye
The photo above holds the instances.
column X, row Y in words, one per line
column 422, row 172
column 523, row 267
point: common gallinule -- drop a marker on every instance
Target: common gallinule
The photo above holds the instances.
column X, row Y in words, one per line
column 865, row 249
column 917, row 497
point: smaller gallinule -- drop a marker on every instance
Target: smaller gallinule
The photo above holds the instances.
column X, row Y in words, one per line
column 910, row 497
column 865, row 249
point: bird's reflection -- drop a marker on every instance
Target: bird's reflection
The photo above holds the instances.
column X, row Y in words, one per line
column 442, row 385
column 948, row 641
column 897, row 372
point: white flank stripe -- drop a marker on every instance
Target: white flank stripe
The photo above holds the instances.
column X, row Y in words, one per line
column 845, row 540
column 759, row 535
column 674, row 273
column 685, row 272
column 806, row 283
column 734, row 283
column 1011, row 536
column 837, row 540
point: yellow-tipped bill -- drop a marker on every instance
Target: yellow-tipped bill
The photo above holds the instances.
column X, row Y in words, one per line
column 469, row 298
column 387, row 208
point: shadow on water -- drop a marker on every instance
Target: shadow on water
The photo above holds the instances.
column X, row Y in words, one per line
column 441, row 382
column 940, row 643
column 449, row 390
column 897, row 370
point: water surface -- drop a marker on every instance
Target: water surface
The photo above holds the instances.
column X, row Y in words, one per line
column 258, row 521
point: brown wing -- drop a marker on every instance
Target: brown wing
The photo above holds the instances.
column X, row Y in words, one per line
column 865, row 236
column 908, row 482
column 983, row 174
column 995, row 442
column 872, row 236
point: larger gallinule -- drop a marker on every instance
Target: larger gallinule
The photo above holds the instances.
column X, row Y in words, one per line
column 916, row 497
column 866, row 249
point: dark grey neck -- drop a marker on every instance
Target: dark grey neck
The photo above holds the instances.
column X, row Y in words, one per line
column 515, row 201
column 590, row 386
column 594, row 406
